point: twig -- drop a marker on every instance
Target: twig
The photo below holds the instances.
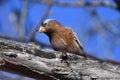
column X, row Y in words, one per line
column 23, row 39
column 82, row 3
column 79, row 3
column 32, row 34
column 23, row 17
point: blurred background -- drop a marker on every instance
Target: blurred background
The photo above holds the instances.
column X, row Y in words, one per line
column 96, row 22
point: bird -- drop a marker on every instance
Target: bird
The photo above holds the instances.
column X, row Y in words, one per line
column 62, row 38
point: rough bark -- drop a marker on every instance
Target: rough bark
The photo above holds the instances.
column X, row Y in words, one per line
column 42, row 64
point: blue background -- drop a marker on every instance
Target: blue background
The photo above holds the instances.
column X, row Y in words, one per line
column 97, row 27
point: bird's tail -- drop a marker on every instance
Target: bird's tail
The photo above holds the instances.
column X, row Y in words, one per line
column 82, row 53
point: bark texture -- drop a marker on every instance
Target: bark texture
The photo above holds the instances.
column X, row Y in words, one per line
column 43, row 64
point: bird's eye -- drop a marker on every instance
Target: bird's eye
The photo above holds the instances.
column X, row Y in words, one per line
column 45, row 24
column 52, row 23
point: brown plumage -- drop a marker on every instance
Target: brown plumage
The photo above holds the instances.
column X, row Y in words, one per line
column 62, row 38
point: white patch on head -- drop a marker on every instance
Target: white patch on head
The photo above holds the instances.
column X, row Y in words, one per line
column 47, row 20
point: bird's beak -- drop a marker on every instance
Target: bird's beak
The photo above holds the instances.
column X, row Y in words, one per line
column 42, row 29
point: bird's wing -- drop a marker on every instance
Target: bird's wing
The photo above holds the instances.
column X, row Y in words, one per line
column 77, row 40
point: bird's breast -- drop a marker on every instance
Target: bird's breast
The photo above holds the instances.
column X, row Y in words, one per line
column 58, row 43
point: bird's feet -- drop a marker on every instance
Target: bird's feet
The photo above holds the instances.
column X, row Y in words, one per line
column 64, row 57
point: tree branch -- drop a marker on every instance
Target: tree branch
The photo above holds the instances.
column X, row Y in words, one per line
column 21, row 59
column 47, row 11
column 24, row 39
column 80, row 3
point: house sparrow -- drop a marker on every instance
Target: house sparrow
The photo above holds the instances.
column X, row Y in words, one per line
column 62, row 38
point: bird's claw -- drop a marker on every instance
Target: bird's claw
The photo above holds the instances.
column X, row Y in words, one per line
column 64, row 57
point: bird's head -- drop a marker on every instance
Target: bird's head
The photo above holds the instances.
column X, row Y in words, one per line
column 49, row 25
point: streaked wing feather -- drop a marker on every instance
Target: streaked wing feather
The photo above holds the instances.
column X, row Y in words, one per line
column 77, row 40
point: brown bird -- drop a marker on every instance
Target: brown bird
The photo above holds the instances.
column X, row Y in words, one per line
column 62, row 38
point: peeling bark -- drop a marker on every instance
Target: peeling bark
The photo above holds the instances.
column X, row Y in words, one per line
column 32, row 61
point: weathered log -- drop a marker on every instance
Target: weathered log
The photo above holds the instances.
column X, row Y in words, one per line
column 32, row 61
